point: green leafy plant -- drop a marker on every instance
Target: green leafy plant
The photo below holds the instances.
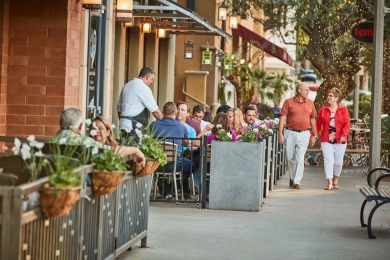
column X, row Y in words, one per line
column 146, row 141
column 248, row 135
column 108, row 160
column 61, row 170
column 222, row 135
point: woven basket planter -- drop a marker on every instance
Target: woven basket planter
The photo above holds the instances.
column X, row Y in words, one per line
column 150, row 167
column 56, row 201
column 105, row 182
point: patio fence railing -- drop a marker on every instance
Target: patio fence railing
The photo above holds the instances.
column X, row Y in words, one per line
column 97, row 227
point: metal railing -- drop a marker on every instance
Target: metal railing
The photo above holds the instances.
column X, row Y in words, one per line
column 101, row 227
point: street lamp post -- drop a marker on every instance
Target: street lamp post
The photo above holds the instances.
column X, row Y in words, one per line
column 376, row 98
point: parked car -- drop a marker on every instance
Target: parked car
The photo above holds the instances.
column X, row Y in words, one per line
column 309, row 76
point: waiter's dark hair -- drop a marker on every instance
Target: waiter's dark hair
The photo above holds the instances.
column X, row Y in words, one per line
column 145, row 71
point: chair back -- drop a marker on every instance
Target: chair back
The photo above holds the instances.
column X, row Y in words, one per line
column 209, row 153
column 170, row 150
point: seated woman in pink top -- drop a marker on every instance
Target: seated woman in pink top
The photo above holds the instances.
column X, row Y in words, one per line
column 221, row 121
column 104, row 135
column 236, row 119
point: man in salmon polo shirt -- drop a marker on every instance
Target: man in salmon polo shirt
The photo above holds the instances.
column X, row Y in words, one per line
column 297, row 119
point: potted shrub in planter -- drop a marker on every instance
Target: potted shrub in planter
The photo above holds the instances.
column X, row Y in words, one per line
column 150, row 146
column 63, row 188
column 110, row 169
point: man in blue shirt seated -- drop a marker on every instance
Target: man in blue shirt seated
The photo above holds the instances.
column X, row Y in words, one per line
column 169, row 129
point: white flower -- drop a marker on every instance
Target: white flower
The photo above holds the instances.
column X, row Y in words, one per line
column 39, row 145
column 25, row 151
column 139, row 133
column 89, row 142
column 30, row 138
column 95, row 150
column 39, row 153
column 229, row 134
column 63, row 140
column 255, row 130
column 88, row 122
column 16, row 148
column 270, row 130
column 93, row 132
column 244, row 124
column 33, row 143
column 138, row 125
column 219, row 126
column 276, row 120
column 113, row 126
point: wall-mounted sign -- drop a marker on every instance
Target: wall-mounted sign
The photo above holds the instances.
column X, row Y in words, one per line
column 363, row 32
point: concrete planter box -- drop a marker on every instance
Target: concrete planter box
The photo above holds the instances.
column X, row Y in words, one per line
column 236, row 176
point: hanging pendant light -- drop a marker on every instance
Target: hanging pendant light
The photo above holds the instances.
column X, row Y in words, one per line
column 161, row 33
column 147, row 27
column 234, row 21
column 189, row 50
column 206, row 56
column 222, row 12
column 124, row 10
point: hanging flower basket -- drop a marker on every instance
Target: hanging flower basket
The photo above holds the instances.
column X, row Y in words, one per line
column 150, row 167
column 57, row 201
column 105, row 182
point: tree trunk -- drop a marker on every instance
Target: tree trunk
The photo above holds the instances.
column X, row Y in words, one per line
column 233, row 79
column 337, row 69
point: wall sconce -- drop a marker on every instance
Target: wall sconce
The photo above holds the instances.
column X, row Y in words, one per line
column 222, row 12
column 218, row 59
column 189, row 50
column 227, row 63
column 92, row 4
column 206, row 56
column 124, row 10
column 147, row 27
column 234, row 21
column 161, row 33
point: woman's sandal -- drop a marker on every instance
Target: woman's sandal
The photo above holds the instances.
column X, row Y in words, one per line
column 328, row 187
column 335, row 186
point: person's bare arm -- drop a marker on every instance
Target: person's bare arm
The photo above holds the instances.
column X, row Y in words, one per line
column 138, row 156
column 157, row 114
column 282, row 121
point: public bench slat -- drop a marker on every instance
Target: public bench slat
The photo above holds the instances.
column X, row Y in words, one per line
column 381, row 196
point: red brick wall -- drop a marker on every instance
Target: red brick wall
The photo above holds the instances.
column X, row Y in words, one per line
column 44, row 44
column 4, row 28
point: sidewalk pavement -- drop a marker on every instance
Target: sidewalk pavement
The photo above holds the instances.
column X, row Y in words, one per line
column 309, row 223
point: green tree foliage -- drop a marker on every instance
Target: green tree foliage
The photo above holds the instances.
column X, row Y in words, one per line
column 324, row 29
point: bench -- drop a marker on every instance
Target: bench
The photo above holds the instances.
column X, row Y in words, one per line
column 348, row 151
column 379, row 192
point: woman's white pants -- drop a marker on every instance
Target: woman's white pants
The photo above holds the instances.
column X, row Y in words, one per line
column 333, row 158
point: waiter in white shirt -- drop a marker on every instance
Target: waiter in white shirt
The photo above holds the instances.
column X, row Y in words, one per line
column 136, row 101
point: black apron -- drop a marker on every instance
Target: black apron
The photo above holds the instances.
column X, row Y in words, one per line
column 141, row 118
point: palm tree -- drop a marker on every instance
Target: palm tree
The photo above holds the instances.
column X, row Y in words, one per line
column 280, row 84
column 260, row 81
